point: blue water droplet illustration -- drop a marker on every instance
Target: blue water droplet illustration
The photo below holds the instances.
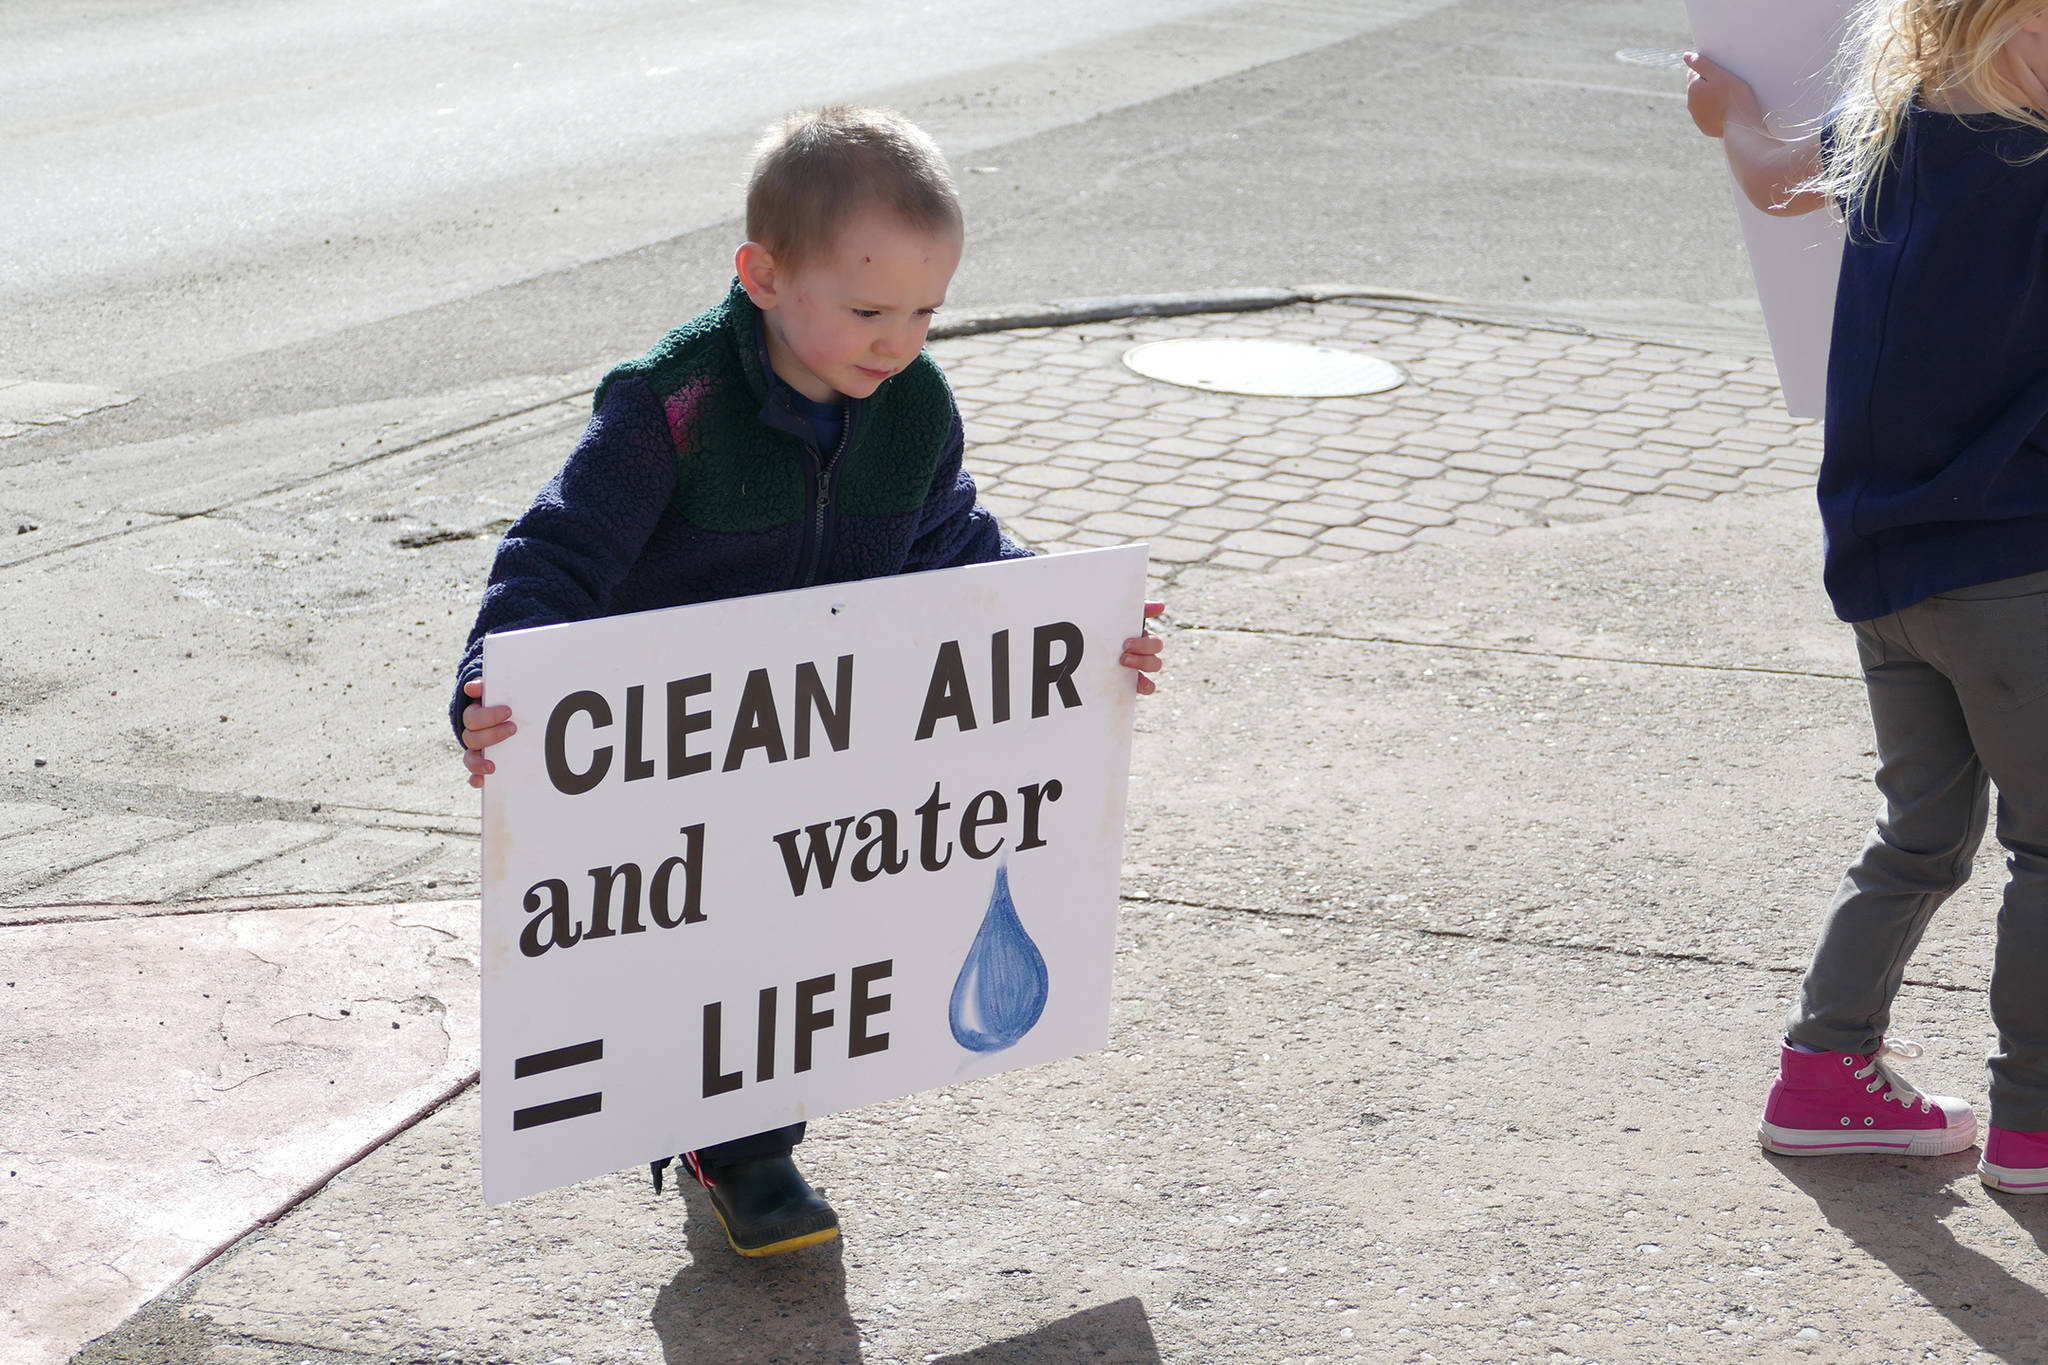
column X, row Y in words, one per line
column 1002, row 985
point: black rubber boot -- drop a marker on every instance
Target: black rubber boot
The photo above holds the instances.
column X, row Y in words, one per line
column 767, row 1207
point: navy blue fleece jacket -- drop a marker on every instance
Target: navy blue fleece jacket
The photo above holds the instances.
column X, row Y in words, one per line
column 698, row 479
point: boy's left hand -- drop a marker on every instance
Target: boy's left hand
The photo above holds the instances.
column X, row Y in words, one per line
column 1142, row 652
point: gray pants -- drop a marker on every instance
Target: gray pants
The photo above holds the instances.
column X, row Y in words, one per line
column 1958, row 694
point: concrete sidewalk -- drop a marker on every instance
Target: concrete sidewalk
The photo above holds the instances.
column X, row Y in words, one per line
column 1464, row 890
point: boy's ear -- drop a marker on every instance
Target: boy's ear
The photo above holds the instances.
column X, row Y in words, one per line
column 755, row 266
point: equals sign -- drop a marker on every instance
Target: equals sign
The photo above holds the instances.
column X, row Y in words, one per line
column 576, row 1106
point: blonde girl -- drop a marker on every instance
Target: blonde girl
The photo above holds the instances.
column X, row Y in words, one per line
column 1934, row 503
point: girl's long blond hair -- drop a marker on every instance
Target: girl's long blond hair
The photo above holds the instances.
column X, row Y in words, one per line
column 1902, row 50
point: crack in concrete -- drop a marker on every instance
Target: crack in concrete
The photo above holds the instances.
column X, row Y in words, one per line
column 308, row 1353
column 416, row 821
column 1146, row 901
column 398, row 868
column 309, row 1014
column 97, row 912
column 220, row 1033
column 313, row 842
column 1402, row 643
column 224, row 1089
column 1546, row 945
column 430, row 1008
column 386, row 875
column 1664, row 955
column 340, row 1357
column 425, row 1004
column 125, row 1277
column 447, row 935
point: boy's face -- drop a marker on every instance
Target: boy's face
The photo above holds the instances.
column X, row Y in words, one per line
column 844, row 321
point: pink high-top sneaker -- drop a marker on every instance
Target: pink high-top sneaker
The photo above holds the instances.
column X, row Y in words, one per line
column 2014, row 1162
column 1829, row 1103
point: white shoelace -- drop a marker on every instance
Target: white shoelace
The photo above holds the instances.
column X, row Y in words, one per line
column 1882, row 1077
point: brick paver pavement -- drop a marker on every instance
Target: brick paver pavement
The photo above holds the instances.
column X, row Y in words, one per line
column 1499, row 425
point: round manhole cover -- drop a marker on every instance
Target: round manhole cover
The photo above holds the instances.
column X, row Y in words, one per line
column 1271, row 369
column 1651, row 56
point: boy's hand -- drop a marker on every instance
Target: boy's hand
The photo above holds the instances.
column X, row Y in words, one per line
column 1714, row 94
column 482, row 726
column 1142, row 652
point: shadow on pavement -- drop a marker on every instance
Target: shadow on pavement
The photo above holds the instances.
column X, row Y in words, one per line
column 724, row 1309
column 1114, row 1334
column 1897, row 1212
column 2030, row 1212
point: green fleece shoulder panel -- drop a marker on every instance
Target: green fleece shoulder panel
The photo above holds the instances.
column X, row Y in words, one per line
column 733, row 473
column 669, row 361
column 897, row 446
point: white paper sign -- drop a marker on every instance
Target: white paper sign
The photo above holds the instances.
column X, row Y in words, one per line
column 1786, row 50
column 760, row 860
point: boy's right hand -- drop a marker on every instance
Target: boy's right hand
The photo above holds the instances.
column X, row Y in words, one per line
column 482, row 726
column 1714, row 94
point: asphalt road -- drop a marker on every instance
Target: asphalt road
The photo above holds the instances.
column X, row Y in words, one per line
column 249, row 208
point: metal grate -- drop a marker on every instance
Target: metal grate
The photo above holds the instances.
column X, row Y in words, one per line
column 1667, row 57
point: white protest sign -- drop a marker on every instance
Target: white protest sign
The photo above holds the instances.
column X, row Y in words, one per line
column 759, row 860
column 1786, row 50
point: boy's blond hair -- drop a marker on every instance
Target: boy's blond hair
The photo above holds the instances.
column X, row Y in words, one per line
column 1902, row 50
column 815, row 169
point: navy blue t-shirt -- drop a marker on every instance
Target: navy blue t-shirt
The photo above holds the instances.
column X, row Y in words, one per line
column 827, row 421
column 1934, row 473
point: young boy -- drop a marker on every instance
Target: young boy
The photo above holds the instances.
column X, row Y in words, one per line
column 795, row 434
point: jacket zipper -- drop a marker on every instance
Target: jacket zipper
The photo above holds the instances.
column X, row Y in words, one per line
column 826, row 474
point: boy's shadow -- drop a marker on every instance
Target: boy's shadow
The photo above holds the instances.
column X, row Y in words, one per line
column 727, row 1309
column 1111, row 1334
column 1898, row 1218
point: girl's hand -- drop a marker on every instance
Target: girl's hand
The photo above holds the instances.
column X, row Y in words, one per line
column 1142, row 652
column 482, row 726
column 1714, row 95
column 1773, row 174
